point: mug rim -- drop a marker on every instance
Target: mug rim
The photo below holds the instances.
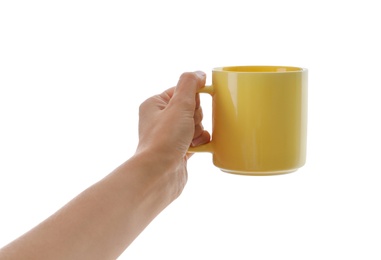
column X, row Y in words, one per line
column 259, row 69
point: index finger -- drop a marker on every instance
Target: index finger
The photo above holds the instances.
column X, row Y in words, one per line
column 187, row 87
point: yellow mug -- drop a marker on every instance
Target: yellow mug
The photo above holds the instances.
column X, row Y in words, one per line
column 259, row 119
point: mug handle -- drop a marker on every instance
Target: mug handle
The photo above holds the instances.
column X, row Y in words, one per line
column 209, row 146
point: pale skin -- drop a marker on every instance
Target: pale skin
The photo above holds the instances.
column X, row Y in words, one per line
column 102, row 221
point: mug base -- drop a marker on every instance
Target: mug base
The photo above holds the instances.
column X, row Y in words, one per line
column 249, row 173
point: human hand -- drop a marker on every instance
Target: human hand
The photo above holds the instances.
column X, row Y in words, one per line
column 118, row 207
column 170, row 122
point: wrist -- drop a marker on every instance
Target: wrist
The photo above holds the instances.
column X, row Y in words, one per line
column 158, row 174
column 161, row 158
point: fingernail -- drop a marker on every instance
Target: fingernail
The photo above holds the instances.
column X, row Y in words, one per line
column 200, row 74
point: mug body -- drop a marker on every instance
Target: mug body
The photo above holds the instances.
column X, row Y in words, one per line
column 259, row 119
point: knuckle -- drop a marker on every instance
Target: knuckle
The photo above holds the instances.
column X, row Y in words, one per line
column 143, row 106
column 189, row 76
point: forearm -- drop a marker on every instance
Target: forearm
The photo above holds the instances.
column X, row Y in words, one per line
column 103, row 220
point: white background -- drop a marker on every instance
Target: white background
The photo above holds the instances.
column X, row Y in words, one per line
column 73, row 73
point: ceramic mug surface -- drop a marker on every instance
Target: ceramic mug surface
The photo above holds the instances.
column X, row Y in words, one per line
column 259, row 119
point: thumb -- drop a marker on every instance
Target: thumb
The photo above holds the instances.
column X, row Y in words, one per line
column 186, row 89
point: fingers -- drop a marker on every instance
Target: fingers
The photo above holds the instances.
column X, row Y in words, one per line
column 184, row 97
column 198, row 130
column 198, row 102
column 198, row 116
column 157, row 102
column 202, row 138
